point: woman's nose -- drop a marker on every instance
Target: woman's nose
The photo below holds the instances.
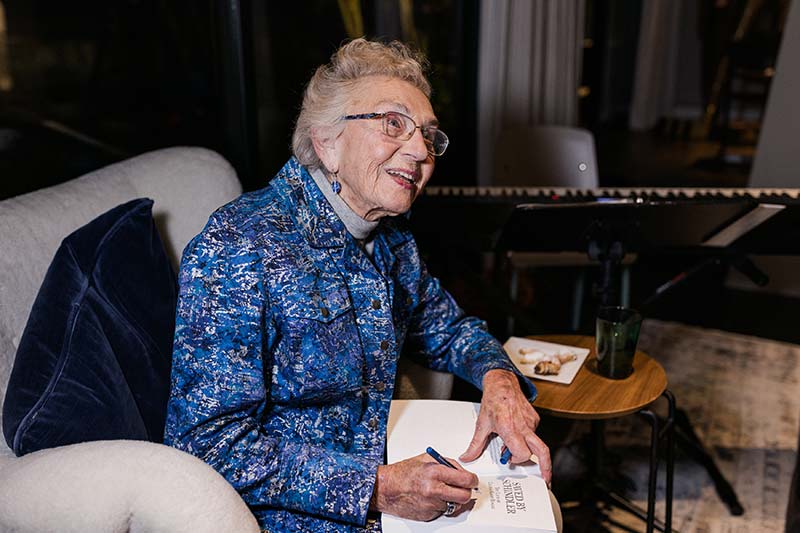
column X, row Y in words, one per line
column 416, row 146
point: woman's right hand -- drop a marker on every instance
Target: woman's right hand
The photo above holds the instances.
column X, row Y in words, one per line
column 419, row 488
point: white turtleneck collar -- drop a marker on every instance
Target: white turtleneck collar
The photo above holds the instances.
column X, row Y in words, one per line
column 359, row 228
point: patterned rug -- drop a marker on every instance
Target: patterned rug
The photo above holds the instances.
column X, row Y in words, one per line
column 742, row 395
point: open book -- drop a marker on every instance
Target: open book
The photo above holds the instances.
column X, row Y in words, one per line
column 510, row 498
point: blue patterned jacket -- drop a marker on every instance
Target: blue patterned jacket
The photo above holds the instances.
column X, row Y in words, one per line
column 286, row 345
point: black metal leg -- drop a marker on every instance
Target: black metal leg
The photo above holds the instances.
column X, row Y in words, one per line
column 670, row 429
column 652, row 479
column 598, row 451
column 661, row 429
column 621, row 502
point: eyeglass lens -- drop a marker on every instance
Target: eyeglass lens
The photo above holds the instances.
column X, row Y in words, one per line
column 400, row 126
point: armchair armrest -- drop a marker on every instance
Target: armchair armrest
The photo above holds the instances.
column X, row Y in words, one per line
column 118, row 486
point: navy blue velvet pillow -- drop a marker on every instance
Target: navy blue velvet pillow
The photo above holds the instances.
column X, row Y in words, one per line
column 94, row 359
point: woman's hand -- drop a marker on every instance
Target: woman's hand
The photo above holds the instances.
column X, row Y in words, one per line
column 507, row 412
column 419, row 488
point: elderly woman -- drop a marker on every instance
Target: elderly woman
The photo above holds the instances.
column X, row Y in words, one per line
column 297, row 300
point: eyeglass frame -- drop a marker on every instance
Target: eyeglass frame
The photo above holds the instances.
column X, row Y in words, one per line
column 429, row 144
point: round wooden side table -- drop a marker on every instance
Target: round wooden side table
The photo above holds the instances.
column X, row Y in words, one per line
column 593, row 397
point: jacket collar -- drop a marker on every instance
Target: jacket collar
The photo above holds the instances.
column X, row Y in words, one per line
column 312, row 212
column 393, row 234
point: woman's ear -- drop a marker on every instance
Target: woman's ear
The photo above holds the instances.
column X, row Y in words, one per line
column 325, row 146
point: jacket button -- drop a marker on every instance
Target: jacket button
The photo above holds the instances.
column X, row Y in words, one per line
column 373, row 423
column 384, row 345
column 325, row 312
column 376, row 304
column 380, row 386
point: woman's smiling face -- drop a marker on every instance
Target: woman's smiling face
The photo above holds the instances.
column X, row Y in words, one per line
column 381, row 175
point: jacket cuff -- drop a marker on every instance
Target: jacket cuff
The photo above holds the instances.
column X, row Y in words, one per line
column 493, row 357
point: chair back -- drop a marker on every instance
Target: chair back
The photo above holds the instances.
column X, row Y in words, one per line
column 546, row 155
column 186, row 183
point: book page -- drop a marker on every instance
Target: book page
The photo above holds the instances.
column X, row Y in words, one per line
column 514, row 502
column 447, row 426
column 507, row 504
column 509, row 498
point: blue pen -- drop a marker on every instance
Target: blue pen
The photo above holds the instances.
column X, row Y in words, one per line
column 505, row 457
column 442, row 461
column 439, row 459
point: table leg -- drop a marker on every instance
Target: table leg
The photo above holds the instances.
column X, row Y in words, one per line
column 598, row 449
column 661, row 429
column 670, row 429
column 652, row 479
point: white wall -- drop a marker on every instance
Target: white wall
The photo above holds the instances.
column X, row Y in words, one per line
column 777, row 162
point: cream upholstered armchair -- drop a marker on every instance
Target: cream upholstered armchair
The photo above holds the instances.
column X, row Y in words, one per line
column 116, row 485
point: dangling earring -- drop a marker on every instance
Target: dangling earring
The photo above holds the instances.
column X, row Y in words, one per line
column 336, row 187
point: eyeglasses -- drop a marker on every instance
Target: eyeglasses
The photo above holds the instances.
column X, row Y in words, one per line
column 399, row 126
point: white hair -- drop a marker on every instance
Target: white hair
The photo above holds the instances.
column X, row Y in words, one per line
column 332, row 87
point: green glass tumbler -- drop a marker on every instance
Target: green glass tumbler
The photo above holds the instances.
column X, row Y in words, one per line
column 616, row 337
